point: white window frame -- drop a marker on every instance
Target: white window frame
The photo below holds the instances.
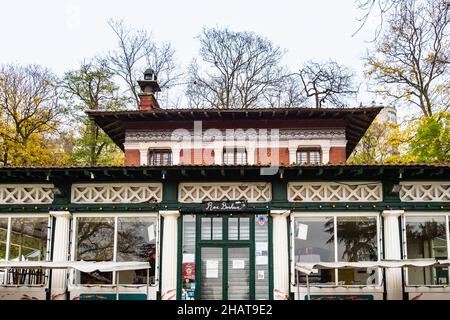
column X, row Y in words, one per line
column 154, row 215
column 335, row 215
column 424, row 214
column 48, row 247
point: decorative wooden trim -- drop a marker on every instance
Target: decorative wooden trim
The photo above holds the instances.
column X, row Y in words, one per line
column 116, row 193
column 214, row 191
column 423, row 191
column 335, row 192
column 26, row 193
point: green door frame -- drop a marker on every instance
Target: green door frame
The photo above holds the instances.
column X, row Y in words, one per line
column 225, row 244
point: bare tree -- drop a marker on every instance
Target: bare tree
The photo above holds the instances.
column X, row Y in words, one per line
column 327, row 82
column 135, row 53
column 287, row 94
column 410, row 61
column 382, row 8
column 239, row 68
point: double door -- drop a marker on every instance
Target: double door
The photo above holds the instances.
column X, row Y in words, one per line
column 225, row 273
column 225, row 257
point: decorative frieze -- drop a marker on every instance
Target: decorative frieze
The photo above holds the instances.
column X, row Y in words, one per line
column 135, row 136
column 116, row 193
column 420, row 191
column 335, row 192
column 220, row 191
column 26, row 193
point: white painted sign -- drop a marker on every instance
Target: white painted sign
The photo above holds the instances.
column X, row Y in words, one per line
column 302, row 232
column 238, row 264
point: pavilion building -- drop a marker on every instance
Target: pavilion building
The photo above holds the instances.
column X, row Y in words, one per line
column 223, row 204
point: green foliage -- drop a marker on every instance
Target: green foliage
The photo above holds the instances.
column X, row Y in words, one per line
column 431, row 140
column 91, row 87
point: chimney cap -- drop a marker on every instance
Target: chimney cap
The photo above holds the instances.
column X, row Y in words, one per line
column 150, row 74
column 150, row 83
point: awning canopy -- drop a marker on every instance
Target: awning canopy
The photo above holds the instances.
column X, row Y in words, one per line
column 308, row 268
column 83, row 266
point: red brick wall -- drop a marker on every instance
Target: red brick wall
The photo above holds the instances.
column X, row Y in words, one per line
column 338, row 155
column 197, row 156
column 283, row 156
column 147, row 101
column 132, row 157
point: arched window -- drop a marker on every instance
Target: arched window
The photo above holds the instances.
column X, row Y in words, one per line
column 234, row 156
column 309, row 156
column 159, row 157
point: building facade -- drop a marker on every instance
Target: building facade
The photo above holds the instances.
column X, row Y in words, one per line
column 222, row 204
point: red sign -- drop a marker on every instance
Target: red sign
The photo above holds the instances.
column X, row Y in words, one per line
column 189, row 271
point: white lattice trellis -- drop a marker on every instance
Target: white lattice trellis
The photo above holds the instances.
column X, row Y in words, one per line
column 116, row 193
column 26, row 193
column 335, row 192
column 421, row 191
column 219, row 191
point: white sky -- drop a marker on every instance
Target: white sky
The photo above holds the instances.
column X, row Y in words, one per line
column 59, row 34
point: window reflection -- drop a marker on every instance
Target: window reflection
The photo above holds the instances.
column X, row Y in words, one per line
column 136, row 241
column 3, row 235
column 356, row 240
column 426, row 237
column 95, row 242
column 314, row 242
column 28, row 242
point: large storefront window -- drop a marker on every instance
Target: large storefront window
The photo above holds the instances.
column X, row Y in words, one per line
column 426, row 237
column 116, row 238
column 24, row 239
column 335, row 239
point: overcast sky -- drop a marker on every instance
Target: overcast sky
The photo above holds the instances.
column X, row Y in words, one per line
column 59, row 34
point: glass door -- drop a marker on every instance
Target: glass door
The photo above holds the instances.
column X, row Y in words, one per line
column 238, row 274
column 211, row 273
column 225, row 281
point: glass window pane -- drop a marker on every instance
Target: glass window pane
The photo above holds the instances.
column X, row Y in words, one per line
column 315, row 157
column 206, row 228
column 241, row 156
column 136, row 241
column 244, row 232
column 3, row 235
column 357, row 239
column 95, row 242
column 217, row 229
column 426, row 238
column 28, row 239
column 28, row 242
column 233, row 228
column 228, row 156
column 314, row 242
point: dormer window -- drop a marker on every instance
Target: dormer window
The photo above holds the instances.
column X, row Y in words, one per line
column 159, row 157
column 309, row 156
column 234, row 156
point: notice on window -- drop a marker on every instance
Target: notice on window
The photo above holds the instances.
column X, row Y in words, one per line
column 238, row 264
column 212, row 268
column 260, row 274
column 151, row 233
column 302, row 232
column 261, row 260
column 261, row 246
